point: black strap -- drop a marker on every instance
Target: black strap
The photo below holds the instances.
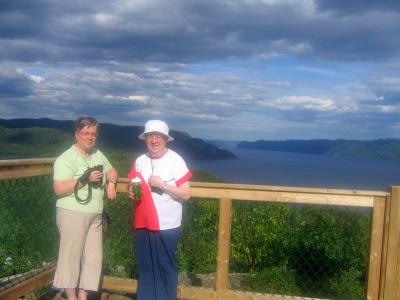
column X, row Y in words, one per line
column 84, row 179
column 88, row 197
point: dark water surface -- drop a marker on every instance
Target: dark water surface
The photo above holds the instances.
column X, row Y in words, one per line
column 305, row 170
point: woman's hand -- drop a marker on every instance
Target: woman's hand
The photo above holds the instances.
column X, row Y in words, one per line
column 131, row 194
column 181, row 192
column 155, row 181
column 96, row 176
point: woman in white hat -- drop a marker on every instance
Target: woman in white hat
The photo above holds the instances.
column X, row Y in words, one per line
column 164, row 179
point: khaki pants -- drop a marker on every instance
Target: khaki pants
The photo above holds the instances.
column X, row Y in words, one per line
column 81, row 250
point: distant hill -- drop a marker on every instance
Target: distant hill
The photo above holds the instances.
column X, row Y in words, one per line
column 32, row 142
column 377, row 149
column 25, row 136
column 223, row 144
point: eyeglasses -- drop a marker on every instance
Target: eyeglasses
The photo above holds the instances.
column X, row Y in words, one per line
column 156, row 136
column 87, row 134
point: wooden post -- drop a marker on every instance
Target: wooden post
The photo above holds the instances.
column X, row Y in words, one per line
column 375, row 252
column 224, row 239
column 392, row 272
column 384, row 247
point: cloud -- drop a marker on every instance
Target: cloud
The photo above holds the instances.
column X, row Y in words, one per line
column 291, row 64
column 15, row 83
column 386, row 89
column 356, row 6
column 195, row 31
column 302, row 102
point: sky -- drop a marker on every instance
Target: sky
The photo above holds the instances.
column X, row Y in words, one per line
column 225, row 70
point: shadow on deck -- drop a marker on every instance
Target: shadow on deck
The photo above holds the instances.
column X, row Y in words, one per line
column 102, row 295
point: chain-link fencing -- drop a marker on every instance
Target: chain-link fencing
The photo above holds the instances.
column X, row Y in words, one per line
column 198, row 246
column 283, row 249
column 300, row 250
column 28, row 235
column 119, row 242
column 286, row 249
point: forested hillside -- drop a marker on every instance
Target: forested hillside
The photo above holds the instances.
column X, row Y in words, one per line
column 113, row 137
column 377, row 149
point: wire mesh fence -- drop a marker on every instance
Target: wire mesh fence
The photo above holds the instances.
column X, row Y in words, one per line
column 300, row 250
column 197, row 249
column 28, row 235
column 119, row 257
column 310, row 251
column 293, row 250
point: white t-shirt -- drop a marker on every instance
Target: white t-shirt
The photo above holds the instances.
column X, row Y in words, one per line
column 157, row 210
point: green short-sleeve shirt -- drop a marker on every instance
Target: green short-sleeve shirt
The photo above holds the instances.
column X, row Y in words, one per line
column 71, row 165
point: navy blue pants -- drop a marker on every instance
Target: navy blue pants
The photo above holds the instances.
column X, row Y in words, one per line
column 158, row 275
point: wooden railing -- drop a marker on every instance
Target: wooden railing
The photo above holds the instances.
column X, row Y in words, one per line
column 384, row 258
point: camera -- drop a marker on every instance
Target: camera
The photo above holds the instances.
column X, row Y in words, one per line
column 85, row 176
column 100, row 169
column 96, row 168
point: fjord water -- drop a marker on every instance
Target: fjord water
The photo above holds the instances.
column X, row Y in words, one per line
column 304, row 170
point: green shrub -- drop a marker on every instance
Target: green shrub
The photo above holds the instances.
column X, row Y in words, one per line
column 348, row 285
column 197, row 250
column 274, row 280
column 119, row 243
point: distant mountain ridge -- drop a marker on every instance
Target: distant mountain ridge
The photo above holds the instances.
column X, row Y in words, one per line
column 377, row 149
column 223, row 144
column 123, row 137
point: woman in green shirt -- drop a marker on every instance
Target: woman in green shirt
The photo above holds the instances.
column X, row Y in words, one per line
column 81, row 175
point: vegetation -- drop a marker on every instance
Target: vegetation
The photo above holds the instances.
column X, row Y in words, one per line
column 28, row 239
column 32, row 142
column 310, row 250
column 278, row 248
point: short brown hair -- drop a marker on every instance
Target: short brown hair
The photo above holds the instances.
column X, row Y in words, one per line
column 83, row 121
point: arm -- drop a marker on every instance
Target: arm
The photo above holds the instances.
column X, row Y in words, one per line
column 181, row 192
column 65, row 187
column 112, row 178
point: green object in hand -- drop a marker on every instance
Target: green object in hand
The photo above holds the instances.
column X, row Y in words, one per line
column 136, row 187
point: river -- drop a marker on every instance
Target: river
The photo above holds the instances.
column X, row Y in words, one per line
column 304, row 170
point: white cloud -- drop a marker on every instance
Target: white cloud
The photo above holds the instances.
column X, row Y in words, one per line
column 145, row 112
column 301, row 103
column 388, row 108
column 132, row 98
column 198, row 117
column 37, row 79
column 105, row 19
column 140, row 98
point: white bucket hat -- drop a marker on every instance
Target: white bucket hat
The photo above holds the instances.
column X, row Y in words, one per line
column 156, row 126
